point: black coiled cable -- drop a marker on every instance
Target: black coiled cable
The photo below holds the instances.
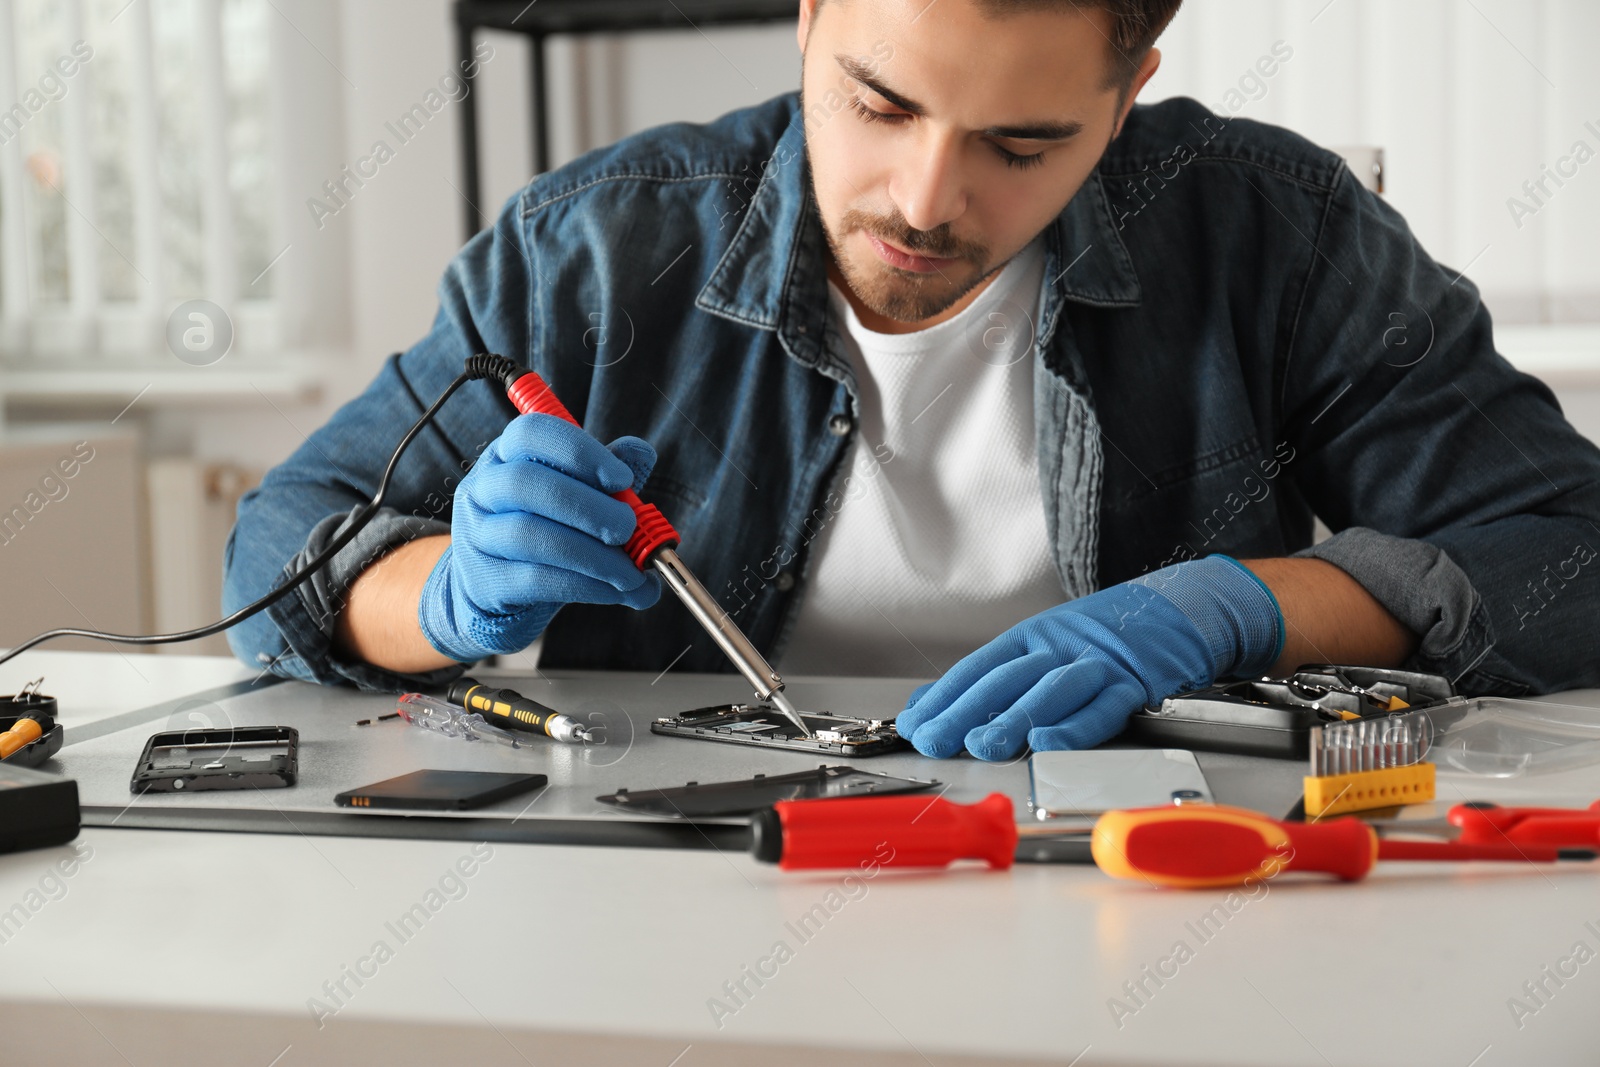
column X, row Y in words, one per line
column 484, row 365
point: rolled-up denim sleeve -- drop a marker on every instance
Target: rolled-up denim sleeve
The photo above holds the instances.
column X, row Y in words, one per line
column 1459, row 495
column 297, row 510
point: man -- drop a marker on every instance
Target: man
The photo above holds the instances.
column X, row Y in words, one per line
column 959, row 343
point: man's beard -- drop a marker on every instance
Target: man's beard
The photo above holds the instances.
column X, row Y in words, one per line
column 901, row 295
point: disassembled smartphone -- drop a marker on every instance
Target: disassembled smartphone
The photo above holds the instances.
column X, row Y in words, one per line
column 766, row 727
column 189, row 761
column 714, row 799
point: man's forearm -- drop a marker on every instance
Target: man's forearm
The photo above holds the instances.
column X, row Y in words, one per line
column 1330, row 618
column 379, row 621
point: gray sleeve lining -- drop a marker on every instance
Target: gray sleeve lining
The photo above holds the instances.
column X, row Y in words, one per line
column 1422, row 588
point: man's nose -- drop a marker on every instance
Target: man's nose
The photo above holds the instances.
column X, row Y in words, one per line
column 929, row 186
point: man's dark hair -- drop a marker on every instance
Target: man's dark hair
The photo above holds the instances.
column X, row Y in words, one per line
column 1135, row 25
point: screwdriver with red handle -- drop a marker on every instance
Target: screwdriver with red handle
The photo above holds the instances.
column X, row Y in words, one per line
column 654, row 544
column 1476, row 822
column 1185, row 846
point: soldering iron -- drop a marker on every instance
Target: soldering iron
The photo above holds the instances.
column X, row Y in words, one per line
column 653, row 544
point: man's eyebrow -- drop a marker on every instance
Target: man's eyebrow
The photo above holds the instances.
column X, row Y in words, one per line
column 1038, row 131
column 1033, row 131
column 862, row 73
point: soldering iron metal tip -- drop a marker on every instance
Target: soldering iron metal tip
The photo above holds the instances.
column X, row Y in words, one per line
column 781, row 702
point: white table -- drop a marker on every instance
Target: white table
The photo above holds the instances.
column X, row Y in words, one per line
column 176, row 947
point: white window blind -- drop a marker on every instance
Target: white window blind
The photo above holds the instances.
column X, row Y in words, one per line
column 135, row 173
column 1486, row 111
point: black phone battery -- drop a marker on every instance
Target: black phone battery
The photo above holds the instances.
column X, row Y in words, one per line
column 432, row 790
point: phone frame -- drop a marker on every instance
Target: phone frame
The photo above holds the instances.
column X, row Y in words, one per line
column 721, row 722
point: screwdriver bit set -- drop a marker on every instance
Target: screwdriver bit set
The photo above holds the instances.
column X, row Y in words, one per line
column 1369, row 763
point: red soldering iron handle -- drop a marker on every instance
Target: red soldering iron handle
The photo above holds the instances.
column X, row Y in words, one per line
column 893, row 831
column 530, row 395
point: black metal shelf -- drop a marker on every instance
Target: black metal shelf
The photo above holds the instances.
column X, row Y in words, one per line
column 540, row 19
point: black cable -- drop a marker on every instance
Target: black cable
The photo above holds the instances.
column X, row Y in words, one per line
column 483, row 365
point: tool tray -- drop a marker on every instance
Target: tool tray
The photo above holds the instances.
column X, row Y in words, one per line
column 14, row 707
column 1274, row 716
column 36, row 751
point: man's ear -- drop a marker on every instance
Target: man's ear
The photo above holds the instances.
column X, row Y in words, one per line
column 803, row 29
column 1147, row 69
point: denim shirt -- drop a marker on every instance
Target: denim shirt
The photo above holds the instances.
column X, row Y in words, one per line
column 1233, row 335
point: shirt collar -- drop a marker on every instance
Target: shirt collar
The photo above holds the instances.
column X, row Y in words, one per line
column 774, row 274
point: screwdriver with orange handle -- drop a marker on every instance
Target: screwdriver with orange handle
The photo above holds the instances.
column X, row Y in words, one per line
column 1183, row 846
column 1218, row 845
column 26, row 730
column 35, row 717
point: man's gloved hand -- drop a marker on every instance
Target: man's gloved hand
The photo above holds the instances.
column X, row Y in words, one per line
column 534, row 527
column 1070, row 677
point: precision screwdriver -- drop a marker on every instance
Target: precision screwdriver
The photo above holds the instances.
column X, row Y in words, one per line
column 511, row 709
column 654, row 543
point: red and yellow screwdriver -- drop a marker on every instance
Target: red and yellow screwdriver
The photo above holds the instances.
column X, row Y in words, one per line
column 1189, row 846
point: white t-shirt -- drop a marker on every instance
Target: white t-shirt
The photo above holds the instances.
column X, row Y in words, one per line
column 940, row 542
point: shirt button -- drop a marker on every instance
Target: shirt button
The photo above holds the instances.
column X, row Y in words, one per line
column 800, row 328
column 785, row 581
column 839, row 425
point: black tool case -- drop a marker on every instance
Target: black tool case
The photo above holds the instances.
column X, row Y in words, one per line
column 37, row 810
column 1274, row 716
column 42, row 708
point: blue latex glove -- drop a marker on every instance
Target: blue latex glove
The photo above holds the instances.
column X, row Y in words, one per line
column 534, row 527
column 1070, row 677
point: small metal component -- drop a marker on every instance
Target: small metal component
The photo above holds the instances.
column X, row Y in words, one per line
column 568, row 731
column 28, row 691
column 1399, row 739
